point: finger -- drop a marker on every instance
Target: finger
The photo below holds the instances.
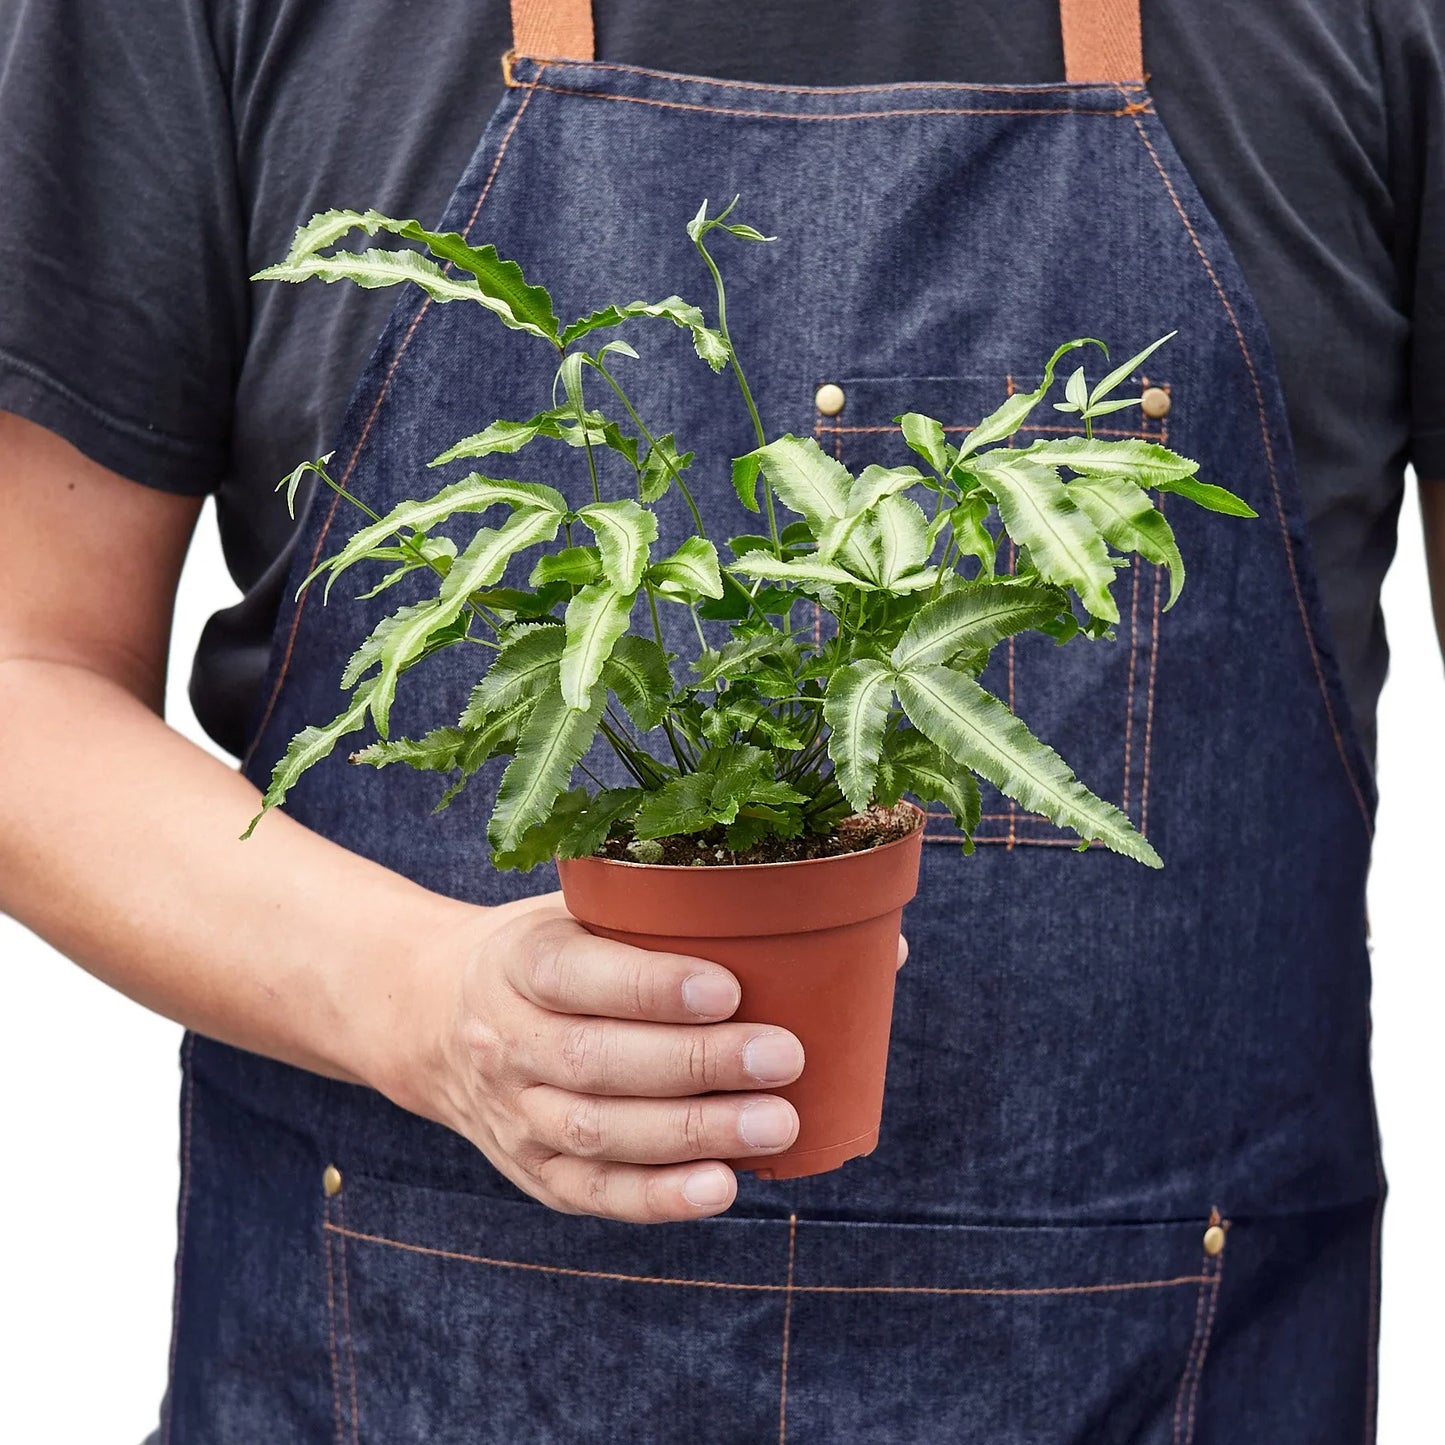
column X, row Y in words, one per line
column 902, row 950
column 559, row 966
column 635, row 1193
column 618, row 1056
column 657, row 1131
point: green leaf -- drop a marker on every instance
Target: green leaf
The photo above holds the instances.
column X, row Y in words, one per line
column 436, row 752
column 872, row 486
column 706, row 342
column 596, row 617
column 974, row 728
column 310, row 746
column 483, row 562
column 525, row 667
column 638, row 674
column 505, row 436
column 1124, row 372
column 681, row 805
column 1077, row 390
column 1063, row 542
column 1145, row 463
column 625, row 532
column 805, row 572
column 292, row 480
column 925, row 436
column 1127, row 517
column 690, row 572
column 913, row 764
column 970, row 531
column 553, row 742
column 497, row 284
column 745, row 479
column 806, row 479
column 661, row 465
column 738, row 602
column 578, row 565
column 734, row 658
column 973, row 618
column 903, row 542
column 490, row 737
column 1211, row 498
column 856, row 709
column 474, row 493
column 369, row 653
column 576, row 828
column 590, row 827
column 421, row 553
column 1004, row 422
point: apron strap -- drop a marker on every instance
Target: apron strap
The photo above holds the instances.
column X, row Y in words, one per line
column 1101, row 40
column 553, row 29
column 1101, row 37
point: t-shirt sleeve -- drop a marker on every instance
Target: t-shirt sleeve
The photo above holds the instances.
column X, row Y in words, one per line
column 122, row 277
column 1412, row 39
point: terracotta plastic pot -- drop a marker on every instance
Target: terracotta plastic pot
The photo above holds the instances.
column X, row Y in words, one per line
column 814, row 946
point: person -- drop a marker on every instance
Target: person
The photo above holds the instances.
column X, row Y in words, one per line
column 425, row 1116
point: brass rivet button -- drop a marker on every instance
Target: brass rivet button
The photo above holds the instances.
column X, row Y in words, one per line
column 331, row 1180
column 1156, row 402
column 1213, row 1240
column 829, row 398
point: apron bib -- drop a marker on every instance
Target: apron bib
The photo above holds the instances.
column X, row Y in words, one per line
column 1128, row 1185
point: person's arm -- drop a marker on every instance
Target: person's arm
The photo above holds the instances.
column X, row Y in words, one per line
column 1432, row 512
column 574, row 1063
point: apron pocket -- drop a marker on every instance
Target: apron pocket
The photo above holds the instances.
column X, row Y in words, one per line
column 1092, row 703
column 456, row 1317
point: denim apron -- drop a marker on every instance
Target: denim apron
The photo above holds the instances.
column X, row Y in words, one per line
column 1128, row 1185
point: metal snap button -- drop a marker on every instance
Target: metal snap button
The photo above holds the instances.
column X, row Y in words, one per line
column 1156, row 402
column 331, row 1180
column 1213, row 1240
column 829, row 398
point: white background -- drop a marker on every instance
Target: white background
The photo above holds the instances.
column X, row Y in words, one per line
column 89, row 1083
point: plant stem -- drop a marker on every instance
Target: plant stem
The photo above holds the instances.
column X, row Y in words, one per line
column 672, row 471
column 657, row 633
column 722, row 326
column 478, row 610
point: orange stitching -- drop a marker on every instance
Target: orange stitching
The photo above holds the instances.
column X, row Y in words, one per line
column 1129, row 698
column 1116, row 1287
column 1073, row 87
column 803, row 116
column 366, row 432
column 1273, row 478
column 1189, row 1358
column 346, row 1321
column 1153, row 658
column 331, row 1334
column 787, row 1327
column 1099, row 431
column 168, row 1406
column 1204, row 1347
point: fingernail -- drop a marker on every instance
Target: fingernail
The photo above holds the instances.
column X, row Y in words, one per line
column 706, row 1188
column 710, row 995
column 767, row 1124
column 773, row 1058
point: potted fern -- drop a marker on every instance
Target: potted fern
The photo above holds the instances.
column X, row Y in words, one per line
column 760, row 808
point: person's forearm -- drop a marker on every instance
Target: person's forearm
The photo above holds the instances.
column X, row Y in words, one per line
column 119, row 845
column 1432, row 512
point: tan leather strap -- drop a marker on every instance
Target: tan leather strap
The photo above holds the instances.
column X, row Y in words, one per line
column 553, row 29
column 1101, row 37
column 1102, row 40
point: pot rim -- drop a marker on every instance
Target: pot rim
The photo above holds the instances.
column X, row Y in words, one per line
column 691, row 870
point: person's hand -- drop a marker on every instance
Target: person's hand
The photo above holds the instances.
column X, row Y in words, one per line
column 584, row 1069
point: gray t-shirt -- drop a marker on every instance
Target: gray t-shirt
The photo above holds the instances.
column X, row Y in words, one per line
column 155, row 153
